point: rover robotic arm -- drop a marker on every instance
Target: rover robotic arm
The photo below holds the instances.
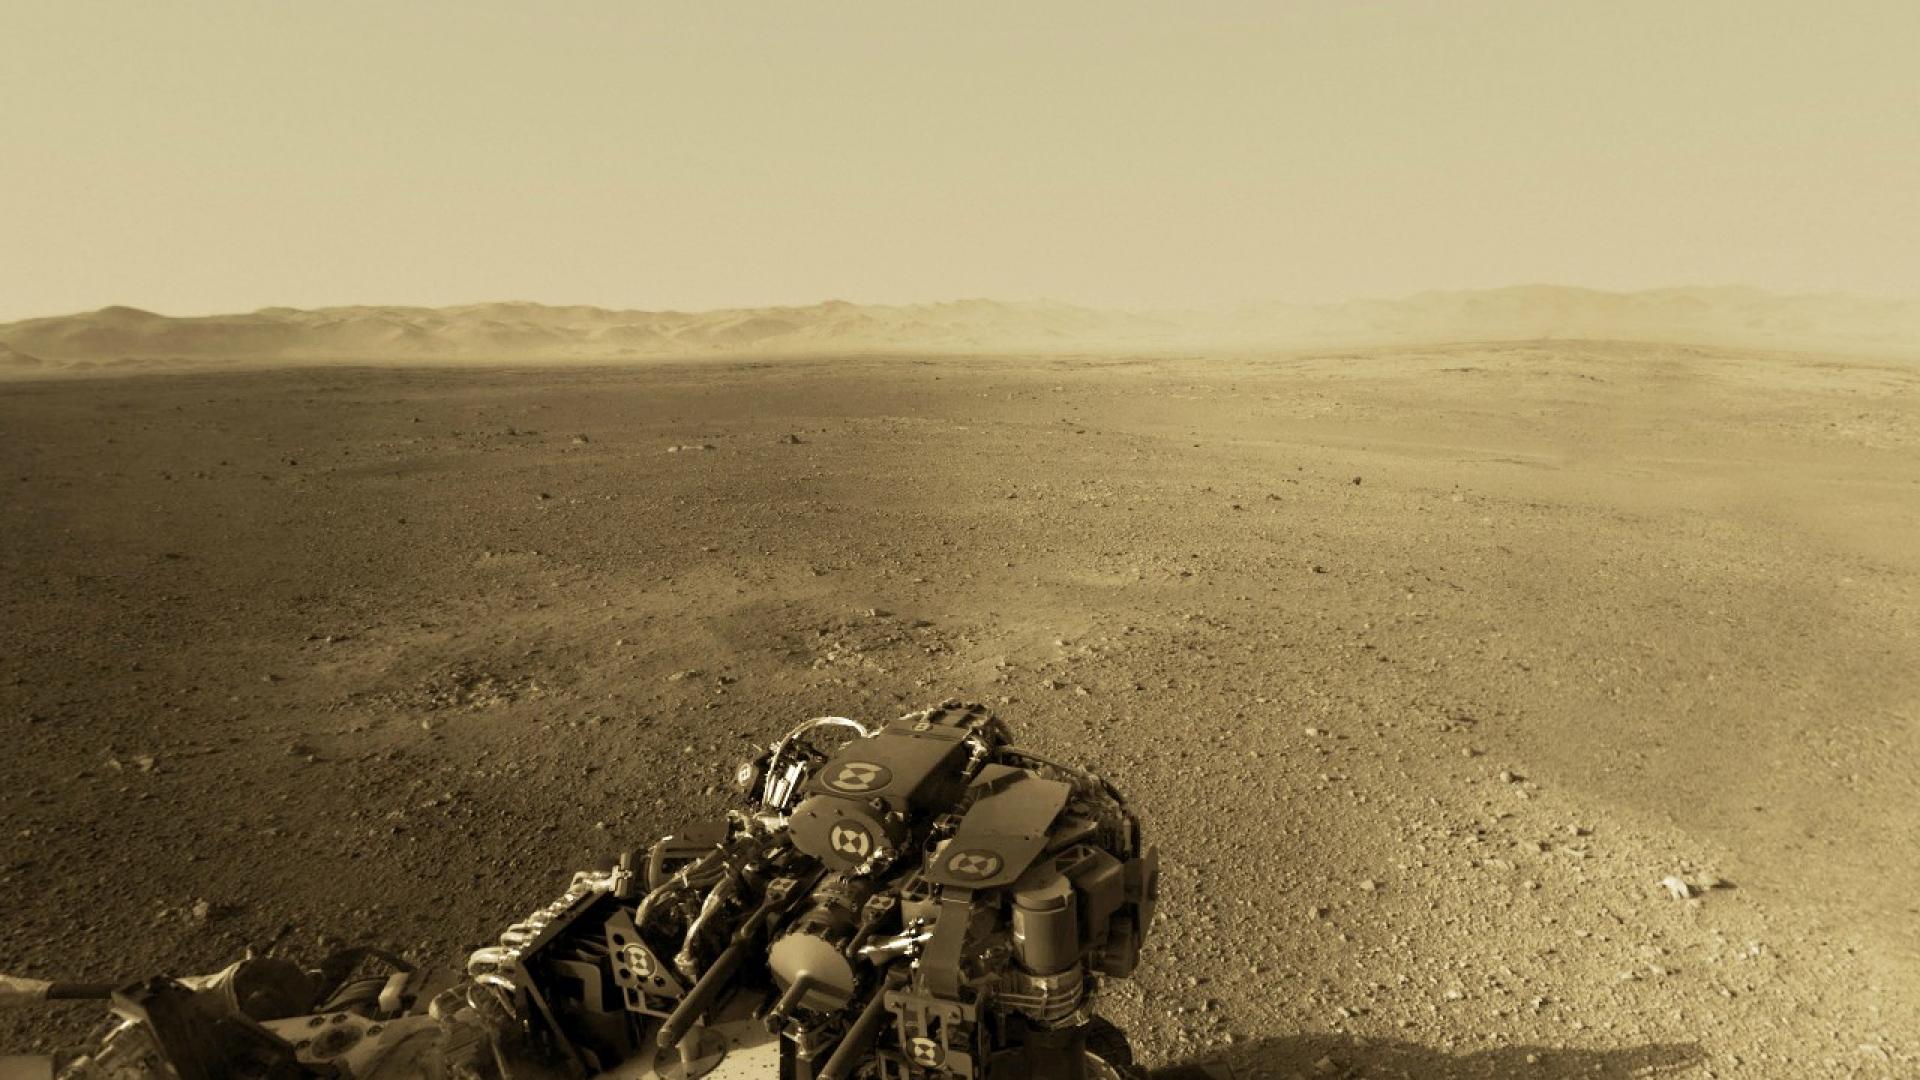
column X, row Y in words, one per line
column 919, row 901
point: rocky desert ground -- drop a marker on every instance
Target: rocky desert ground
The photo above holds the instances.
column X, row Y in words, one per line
column 1523, row 709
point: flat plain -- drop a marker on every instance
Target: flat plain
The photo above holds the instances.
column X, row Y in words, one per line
column 1426, row 667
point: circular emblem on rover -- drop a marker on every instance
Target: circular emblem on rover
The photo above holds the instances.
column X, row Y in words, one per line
column 859, row 777
column 850, row 838
column 639, row 960
column 974, row 865
column 925, row 1052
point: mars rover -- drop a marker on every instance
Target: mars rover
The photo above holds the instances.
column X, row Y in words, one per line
column 916, row 902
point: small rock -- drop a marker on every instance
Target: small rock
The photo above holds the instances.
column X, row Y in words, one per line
column 1677, row 888
column 683, row 676
column 790, row 439
column 1369, row 885
column 202, row 911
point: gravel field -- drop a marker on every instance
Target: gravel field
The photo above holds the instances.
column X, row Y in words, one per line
column 1534, row 709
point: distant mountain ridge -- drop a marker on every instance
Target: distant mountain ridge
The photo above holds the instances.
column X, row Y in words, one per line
column 520, row 330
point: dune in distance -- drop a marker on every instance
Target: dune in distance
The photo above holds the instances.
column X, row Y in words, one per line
column 1721, row 316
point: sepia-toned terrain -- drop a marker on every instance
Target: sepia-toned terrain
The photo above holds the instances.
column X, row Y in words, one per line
column 1426, row 666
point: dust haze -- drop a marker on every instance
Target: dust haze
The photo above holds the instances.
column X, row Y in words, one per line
column 122, row 339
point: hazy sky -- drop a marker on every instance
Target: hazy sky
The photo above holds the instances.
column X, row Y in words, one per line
column 199, row 157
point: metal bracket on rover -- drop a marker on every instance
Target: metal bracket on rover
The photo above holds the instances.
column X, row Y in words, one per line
column 918, row 902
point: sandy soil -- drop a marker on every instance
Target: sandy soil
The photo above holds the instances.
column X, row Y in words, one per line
column 1425, row 668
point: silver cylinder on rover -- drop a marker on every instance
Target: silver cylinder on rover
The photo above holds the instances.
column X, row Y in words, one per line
column 1046, row 927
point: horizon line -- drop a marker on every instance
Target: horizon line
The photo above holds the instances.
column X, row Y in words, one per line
column 1224, row 306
